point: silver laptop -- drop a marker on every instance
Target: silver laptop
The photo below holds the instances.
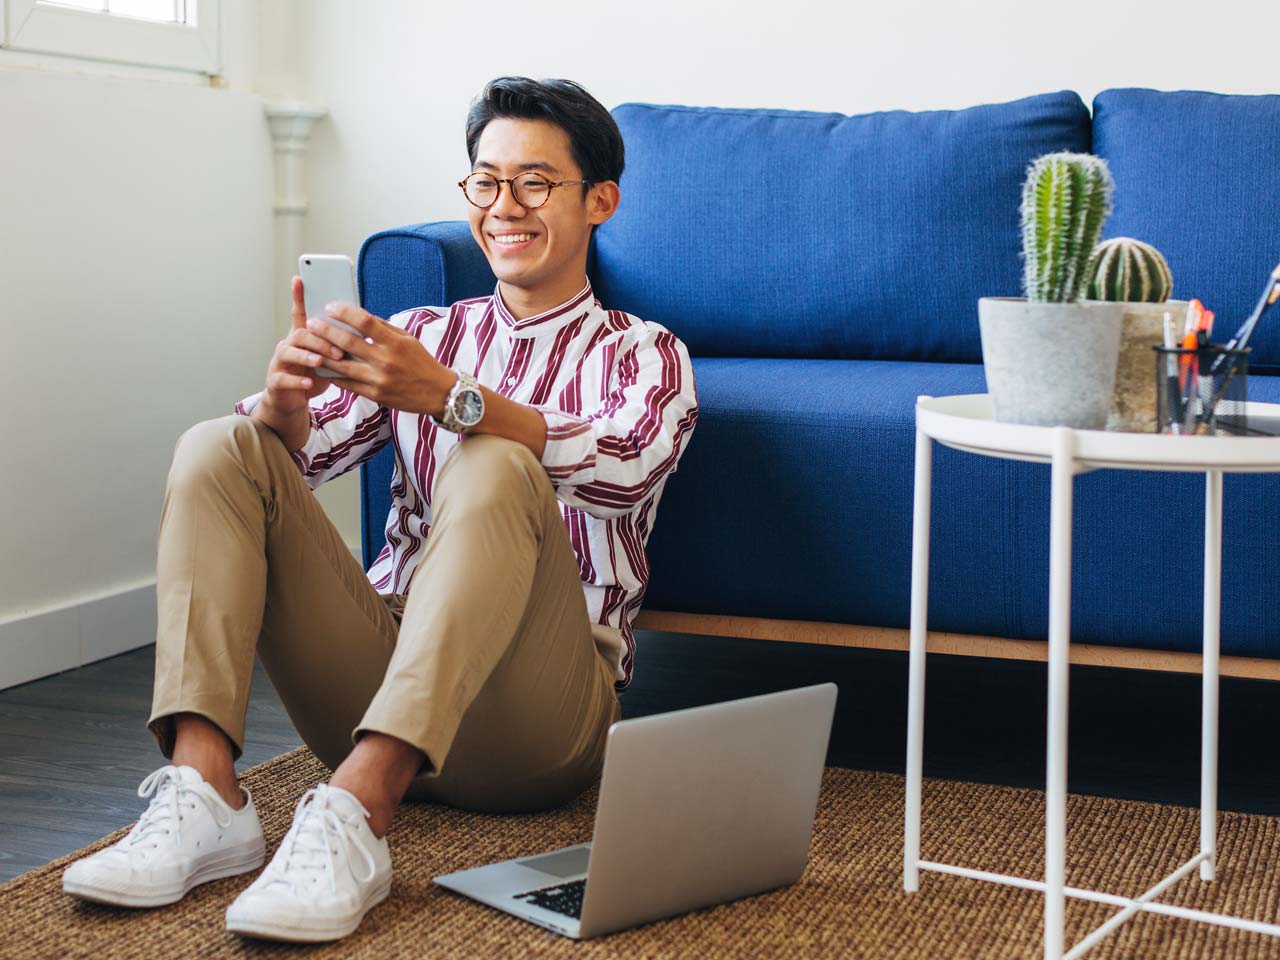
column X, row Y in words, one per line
column 696, row 807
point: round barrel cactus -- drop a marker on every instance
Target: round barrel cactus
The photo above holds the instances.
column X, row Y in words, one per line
column 1125, row 269
column 1065, row 199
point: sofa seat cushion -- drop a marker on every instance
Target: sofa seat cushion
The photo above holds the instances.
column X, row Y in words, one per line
column 795, row 502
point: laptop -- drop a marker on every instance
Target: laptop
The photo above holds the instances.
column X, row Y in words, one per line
column 697, row 807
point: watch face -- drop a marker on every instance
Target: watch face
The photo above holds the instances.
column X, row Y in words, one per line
column 469, row 407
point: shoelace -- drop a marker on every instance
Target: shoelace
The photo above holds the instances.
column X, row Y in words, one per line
column 307, row 847
column 164, row 815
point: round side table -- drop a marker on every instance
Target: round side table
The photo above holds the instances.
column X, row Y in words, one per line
column 965, row 423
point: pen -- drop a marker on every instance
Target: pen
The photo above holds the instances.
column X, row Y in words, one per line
column 1270, row 294
column 1171, row 374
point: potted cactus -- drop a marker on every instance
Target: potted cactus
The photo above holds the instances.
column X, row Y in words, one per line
column 1050, row 358
column 1128, row 271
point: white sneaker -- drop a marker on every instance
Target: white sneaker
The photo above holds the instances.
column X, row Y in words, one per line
column 329, row 872
column 187, row 836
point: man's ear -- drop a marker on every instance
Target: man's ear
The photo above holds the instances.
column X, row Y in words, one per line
column 602, row 201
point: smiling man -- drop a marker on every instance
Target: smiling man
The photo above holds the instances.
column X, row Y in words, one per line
column 478, row 662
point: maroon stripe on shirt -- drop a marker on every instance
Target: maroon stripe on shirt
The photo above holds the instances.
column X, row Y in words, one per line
column 455, row 326
column 487, row 327
column 452, row 338
column 366, row 431
column 399, row 488
column 605, row 494
column 581, row 544
column 564, row 336
column 562, row 431
column 571, row 395
column 335, row 409
column 633, row 548
column 649, row 424
column 411, row 540
column 423, row 467
column 612, row 600
column 517, row 365
column 394, row 541
column 400, row 476
column 628, row 376
column 607, row 357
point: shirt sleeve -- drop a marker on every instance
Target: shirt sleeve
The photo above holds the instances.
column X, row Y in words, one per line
column 346, row 430
column 608, row 461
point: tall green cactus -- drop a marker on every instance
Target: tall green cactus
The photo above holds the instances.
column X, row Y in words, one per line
column 1065, row 199
column 1129, row 270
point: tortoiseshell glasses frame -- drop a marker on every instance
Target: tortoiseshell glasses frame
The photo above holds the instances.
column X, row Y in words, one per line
column 528, row 177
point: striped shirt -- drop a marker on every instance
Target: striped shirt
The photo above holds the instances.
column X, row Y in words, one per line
column 620, row 403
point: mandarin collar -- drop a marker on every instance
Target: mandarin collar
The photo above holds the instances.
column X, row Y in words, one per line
column 549, row 320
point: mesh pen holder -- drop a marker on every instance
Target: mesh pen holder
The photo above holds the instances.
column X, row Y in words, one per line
column 1202, row 390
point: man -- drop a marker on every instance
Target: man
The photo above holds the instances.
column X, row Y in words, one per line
column 478, row 661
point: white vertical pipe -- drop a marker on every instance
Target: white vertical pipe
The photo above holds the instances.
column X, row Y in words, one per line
column 916, row 657
column 1209, row 698
column 1063, row 475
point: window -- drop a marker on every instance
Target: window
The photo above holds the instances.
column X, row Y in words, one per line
column 176, row 34
column 159, row 11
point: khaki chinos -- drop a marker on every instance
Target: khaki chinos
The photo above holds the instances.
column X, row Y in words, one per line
column 487, row 664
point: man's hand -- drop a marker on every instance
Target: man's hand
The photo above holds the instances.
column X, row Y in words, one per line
column 391, row 366
column 291, row 380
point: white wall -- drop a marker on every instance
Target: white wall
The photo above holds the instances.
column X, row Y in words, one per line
column 398, row 74
column 136, row 290
column 135, row 256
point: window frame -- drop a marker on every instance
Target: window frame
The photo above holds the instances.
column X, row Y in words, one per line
column 33, row 27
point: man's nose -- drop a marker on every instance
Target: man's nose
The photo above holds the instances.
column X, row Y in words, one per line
column 506, row 205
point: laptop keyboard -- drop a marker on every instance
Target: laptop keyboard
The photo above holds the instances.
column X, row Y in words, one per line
column 563, row 898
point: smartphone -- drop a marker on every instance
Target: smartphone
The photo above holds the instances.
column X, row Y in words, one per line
column 327, row 277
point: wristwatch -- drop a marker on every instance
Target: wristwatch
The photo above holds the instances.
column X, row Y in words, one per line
column 464, row 406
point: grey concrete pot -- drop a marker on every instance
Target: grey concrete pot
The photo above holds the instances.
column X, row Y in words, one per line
column 1133, row 404
column 1050, row 364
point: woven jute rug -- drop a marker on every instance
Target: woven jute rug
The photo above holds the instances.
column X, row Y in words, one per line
column 849, row 903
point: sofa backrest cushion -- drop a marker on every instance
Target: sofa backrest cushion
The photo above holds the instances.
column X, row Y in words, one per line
column 772, row 233
column 1198, row 175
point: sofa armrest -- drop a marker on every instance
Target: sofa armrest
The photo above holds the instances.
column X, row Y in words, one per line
column 421, row 265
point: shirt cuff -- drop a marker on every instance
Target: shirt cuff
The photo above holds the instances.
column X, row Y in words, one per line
column 300, row 457
column 245, row 406
column 570, row 454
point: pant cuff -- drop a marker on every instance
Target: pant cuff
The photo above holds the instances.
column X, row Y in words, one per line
column 164, row 729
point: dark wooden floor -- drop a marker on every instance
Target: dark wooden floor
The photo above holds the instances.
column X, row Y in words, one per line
column 73, row 748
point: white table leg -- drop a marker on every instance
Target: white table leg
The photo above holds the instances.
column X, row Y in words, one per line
column 919, row 631
column 1063, row 477
column 1209, row 697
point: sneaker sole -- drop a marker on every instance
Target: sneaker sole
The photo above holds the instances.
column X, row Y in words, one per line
column 228, row 863
column 318, row 929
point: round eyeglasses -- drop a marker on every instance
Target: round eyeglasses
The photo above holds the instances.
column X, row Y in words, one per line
column 529, row 189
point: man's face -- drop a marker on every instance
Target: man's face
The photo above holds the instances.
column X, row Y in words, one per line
column 544, row 243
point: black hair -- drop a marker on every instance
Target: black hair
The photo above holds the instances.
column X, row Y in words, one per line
column 594, row 137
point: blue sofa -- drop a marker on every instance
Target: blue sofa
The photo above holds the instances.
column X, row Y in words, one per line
column 824, row 271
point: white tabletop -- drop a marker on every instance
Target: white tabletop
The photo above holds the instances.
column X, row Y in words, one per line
column 964, row 422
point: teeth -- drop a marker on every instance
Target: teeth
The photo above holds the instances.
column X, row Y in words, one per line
column 514, row 238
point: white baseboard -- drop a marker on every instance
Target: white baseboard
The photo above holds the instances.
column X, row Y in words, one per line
column 56, row 640
column 51, row 641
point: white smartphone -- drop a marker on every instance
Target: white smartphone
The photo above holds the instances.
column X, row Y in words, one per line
column 327, row 277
